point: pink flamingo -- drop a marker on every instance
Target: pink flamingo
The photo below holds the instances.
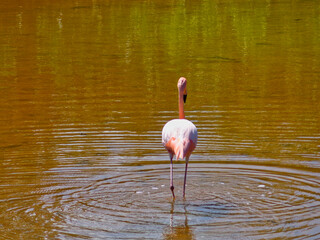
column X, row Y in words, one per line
column 179, row 136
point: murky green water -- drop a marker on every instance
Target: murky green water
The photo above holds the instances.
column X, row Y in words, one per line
column 86, row 87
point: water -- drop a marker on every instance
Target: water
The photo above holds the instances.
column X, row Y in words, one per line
column 86, row 87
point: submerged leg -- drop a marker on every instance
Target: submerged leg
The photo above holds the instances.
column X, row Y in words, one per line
column 185, row 177
column 171, row 177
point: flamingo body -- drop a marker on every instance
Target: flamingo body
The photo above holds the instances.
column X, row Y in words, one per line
column 179, row 137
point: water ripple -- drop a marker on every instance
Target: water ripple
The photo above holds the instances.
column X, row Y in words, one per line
column 136, row 199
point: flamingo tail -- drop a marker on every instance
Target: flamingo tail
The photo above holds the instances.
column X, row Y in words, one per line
column 184, row 148
column 180, row 147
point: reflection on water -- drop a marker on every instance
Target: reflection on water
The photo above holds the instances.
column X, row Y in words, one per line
column 86, row 87
column 178, row 231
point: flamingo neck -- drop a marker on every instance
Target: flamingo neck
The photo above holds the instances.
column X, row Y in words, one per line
column 181, row 108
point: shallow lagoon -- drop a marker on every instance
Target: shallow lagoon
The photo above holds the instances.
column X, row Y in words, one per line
column 86, row 87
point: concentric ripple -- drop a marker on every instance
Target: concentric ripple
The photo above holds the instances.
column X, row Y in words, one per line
column 104, row 193
column 253, row 201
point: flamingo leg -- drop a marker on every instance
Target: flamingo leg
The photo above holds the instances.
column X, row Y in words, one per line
column 171, row 177
column 185, row 177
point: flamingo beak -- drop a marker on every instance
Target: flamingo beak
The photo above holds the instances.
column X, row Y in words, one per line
column 184, row 98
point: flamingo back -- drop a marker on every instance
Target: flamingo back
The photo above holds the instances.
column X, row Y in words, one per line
column 179, row 137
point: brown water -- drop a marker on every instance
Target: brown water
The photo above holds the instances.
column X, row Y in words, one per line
column 86, row 87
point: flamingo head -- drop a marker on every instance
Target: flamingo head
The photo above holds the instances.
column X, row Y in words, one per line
column 182, row 87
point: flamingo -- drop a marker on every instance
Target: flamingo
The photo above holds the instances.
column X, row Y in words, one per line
column 179, row 136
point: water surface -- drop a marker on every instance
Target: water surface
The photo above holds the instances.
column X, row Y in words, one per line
column 86, row 87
